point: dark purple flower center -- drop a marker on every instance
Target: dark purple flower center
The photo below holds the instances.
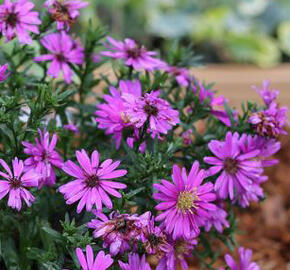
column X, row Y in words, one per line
column 15, row 183
column 121, row 225
column 231, row 165
column 12, row 19
column 60, row 58
column 154, row 240
column 150, row 110
column 92, row 181
column 134, row 52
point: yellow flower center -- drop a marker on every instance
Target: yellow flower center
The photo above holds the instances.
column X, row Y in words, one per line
column 187, row 201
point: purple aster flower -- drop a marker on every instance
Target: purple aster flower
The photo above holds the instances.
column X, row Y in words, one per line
column 135, row 263
column 180, row 250
column 101, row 262
column 92, row 184
column 134, row 55
column 43, row 157
column 17, row 19
column 181, row 75
column 63, row 51
column 217, row 219
column 119, row 232
column 65, row 12
column 252, row 194
column 270, row 122
column 3, row 73
column 238, row 169
column 245, row 261
column 185, row 202
column 111, row 115
column 152, row 109
column 16, row 183
column 267, row 95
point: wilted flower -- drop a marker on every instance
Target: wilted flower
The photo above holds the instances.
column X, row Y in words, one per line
column 93, row 181
column 266, row 94
column 185, row 202
column 3, row 73
column 43, row 157
column 134, row 55
column 16, row 183
column 17, row 19
column 135, row 263
column 217, row 219
column 63, row 51
column 101, row 262
column 181, row 75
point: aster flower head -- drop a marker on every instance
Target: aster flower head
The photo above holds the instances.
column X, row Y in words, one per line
column 17, row 19
column 119, row 232
column 65, row 12
column 181, row 75
column 111, row 115
column 43, row 157
column 93, row 181
column 3, row 73
column 217, row 219
column 15, row 183
column 268, row 95
column 63, row 50
column 244, row 263
column 185, row 202
column 133, row 54
column 135, row 263
column 151, row 109
column 101, row 262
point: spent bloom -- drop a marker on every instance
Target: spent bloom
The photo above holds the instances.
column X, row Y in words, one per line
column 244, row 263
column 43, row 157
column 185, row 202
column 17, row 20
column 93, row 181
column 3, row 73
column 65, row 12
column 181, row 75
column 63, row 50
column 217, row 219
column 135, row 263
column 15, row 182
column 101, row 262
column 268, row 95
column 150, row 109
column 118, row 232
column 133, row 54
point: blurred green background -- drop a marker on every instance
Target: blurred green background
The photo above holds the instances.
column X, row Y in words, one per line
column 243, row 31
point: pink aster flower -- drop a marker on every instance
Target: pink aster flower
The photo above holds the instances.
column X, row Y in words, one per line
column 238, row 169
column 270, row 122
column 185, row 202
column 101, row 262
column 134, row 55
column 17, row 19
column 3, row 73
column 268, row 95
column 217, row 219
column 63, row 51
column 93, row 181
column 181, row 75
column 43, row 158
column 119, row 232
column 245, row 261
column 16, row 183
column 135, row 263
column 111, row 115
column 181, row 249
column 65, row 12
column 152, row 109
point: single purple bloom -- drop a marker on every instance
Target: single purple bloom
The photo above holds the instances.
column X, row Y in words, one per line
column 238, row 169
column 245, row 261
column 134, row 55
column 185, row 202
column 92, row 184
column 17, row 19
column 181, row 75
column 16, row 183
column 43, row 158
column 135, row 263
column 101, row 262
column 119, row 232
column 72, row 128
column 252, row 194
column 63, row 51
column 217, row 219
column 65, row 12
column 268, row 95
column 152, row 109
column 3, row 72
